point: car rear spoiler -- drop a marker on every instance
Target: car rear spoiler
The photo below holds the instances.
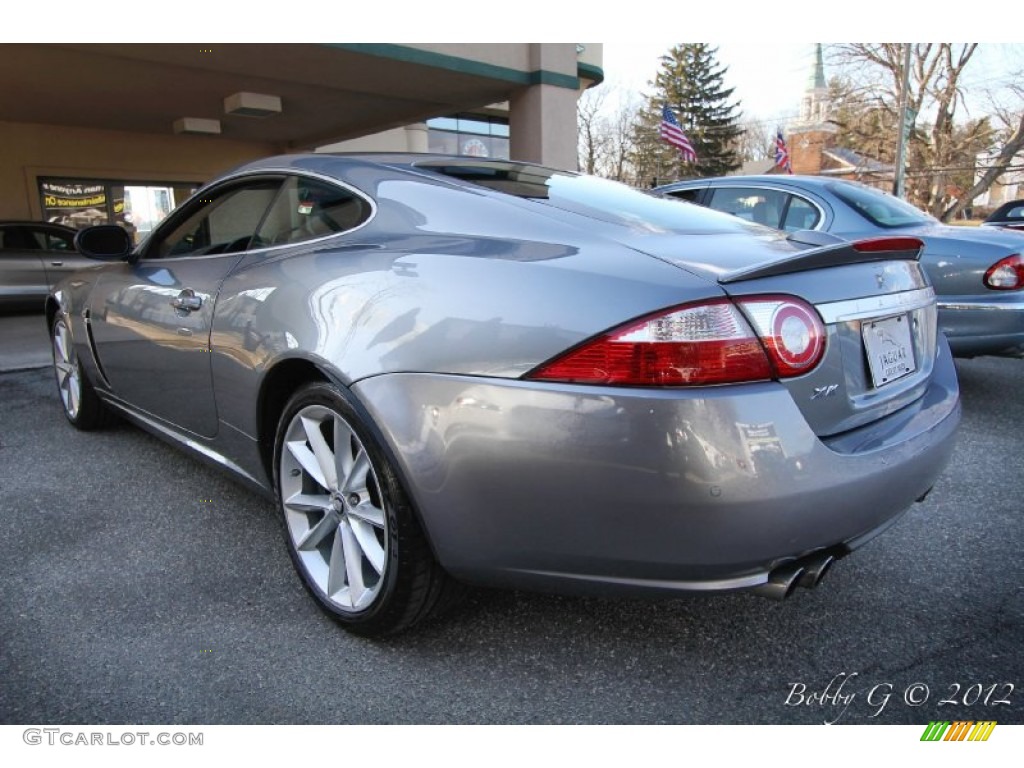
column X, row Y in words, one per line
column 856, row 252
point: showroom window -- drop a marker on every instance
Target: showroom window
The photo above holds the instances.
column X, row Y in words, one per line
column 466, row 134
column 136, row 206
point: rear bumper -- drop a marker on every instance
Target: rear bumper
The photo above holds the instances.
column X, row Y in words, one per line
column 990, row 325
column 624, row 491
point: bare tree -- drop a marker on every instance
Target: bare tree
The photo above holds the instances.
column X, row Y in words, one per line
column 757, row 142
column 589, row 125
column 939, row 148
column 1012, row 119
column 605, row 130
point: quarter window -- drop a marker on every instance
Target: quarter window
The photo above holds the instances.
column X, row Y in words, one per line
column 801, row 215
column 308, row 209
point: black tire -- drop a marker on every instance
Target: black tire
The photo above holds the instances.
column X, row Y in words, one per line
column 352, row 536
column 81, row 405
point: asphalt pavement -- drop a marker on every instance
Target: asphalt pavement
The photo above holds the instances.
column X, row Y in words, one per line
column 24, row 342
column 140, row 586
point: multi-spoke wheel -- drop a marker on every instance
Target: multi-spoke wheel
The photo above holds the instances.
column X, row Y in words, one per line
column 349, row 526
column 81, row 404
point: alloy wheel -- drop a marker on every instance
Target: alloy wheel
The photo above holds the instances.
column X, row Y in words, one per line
column 65, row 363
column 333, row 507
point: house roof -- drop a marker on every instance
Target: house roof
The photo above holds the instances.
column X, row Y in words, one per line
column 754, row 168
column 852, row 161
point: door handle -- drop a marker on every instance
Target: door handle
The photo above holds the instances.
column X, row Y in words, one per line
column 56, row 263
column 187, row 301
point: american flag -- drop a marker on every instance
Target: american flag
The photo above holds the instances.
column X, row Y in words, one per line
column 781, row 153
column 673, row 134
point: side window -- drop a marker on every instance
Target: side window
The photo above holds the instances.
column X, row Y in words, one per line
column 224, row 222
column 801, row 215
column 761, row 206
column 690, row 195
column 59, row 241
column 20, row 239
column 307, row 209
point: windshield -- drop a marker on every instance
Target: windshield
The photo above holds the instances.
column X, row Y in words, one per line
column 878, row 207
column 596, row 198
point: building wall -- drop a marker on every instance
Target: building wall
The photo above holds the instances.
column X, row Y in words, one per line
column 411, row 138
column 805, row 150
column 31, row 151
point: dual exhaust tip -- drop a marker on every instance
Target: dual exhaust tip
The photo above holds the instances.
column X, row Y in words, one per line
column 806, row 572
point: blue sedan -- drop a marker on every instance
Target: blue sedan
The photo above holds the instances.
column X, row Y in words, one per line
column 978, row 273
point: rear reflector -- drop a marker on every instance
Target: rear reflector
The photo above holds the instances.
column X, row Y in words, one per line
column 1006, row 274
column 708, row 343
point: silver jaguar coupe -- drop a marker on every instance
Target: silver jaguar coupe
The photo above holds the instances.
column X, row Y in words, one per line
column 451, row 369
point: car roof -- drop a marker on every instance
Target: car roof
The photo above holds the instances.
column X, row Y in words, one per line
column 26, row 223
column 770, row 178
column 310, row 160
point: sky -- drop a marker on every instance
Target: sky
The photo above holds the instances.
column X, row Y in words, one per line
column 769, row 78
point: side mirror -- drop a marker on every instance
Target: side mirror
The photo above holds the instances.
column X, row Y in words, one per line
column 106, row 242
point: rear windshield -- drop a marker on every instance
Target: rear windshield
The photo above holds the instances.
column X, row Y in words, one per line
column 878, row 207
column 593, row 197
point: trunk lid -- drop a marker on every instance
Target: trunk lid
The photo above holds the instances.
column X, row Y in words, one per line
column 880, row 318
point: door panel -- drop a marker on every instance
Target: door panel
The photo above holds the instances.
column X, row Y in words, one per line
column 22, row 275
column 151, row 319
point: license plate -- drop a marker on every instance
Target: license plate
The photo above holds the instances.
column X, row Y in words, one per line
column 889, row 348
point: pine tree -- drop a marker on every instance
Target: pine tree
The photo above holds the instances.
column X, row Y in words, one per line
column 690, row 82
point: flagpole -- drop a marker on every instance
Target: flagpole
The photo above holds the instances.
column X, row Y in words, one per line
column 901, row 144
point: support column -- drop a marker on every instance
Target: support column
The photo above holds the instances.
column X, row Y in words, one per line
column 542, row 117
column 416, row 139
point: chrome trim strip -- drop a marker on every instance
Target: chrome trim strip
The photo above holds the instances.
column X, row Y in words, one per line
column 179, row 438
column 984, row 305
column 876, row 306
column 742, row 582
column 275, row 171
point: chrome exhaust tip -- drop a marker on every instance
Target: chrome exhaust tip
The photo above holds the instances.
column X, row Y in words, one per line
column 815, row 570
column 781, row 582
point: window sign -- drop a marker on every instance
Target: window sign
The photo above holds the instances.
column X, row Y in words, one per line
column 74, row 203
column 83, row 203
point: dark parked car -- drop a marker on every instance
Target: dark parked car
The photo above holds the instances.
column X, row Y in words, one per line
column 1009, row 215
column 452, row 368
column 34, row 257
column 978, row 273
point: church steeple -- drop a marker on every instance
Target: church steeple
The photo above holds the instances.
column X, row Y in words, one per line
column 817, row 77
column 814, row 132
column 814, row 107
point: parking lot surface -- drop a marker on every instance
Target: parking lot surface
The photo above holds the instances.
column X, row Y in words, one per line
column 140, row 586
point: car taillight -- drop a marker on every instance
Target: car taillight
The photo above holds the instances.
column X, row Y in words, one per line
column 712, row 342
column 879, row 244
column 1006, row 274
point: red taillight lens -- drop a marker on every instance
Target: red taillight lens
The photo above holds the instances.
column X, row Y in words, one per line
column 707, row 343
column 1006, row 274
column 791, row 331
column 880, row 244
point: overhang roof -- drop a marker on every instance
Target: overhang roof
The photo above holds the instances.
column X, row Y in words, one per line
column 328, row 92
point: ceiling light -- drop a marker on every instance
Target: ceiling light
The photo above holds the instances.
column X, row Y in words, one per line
column 196, row 125
column 245, row 104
